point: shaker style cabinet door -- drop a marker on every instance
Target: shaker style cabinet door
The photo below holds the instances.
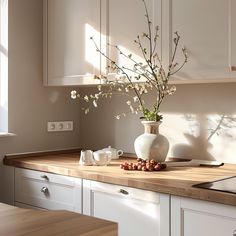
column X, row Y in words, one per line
column 126, row 20
column 138, row 212
column 191, row 217
column 208, row 31
column 70, row 56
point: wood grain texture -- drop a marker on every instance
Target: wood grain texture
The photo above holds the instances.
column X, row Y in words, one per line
column 18, row 221
column 174, row 180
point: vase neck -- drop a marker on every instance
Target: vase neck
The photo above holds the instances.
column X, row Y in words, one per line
column 151, row 128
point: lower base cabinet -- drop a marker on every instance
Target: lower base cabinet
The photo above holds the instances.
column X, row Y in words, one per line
column 191, row 217
column 138, row 212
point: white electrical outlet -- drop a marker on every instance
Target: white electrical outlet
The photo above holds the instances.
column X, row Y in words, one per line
column 57, row 126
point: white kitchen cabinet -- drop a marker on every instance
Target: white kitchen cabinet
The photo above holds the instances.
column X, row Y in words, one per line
column 70, row 57
column 191, row 217
column 138, row 212
column 208, row 31
column 125, row 22
column 49, row 191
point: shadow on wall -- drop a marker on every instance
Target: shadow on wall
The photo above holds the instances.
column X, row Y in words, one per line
column 209, row 138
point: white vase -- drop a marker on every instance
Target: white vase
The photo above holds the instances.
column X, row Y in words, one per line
column 151, row 144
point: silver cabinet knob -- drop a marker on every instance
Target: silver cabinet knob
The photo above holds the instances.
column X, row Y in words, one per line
column 44, row 177
column 234, row 233
column 123, row 192
column 44, row 190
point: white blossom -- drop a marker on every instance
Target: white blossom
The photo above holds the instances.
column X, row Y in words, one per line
column 99, row 87
column 117, row 117
column 86, row 98
column 135, row 99
column 73, row 94
column 97, row 95
column 86, row 111
column 132, row 109
column 172, row 90
column 95, row 103
column 128, row 103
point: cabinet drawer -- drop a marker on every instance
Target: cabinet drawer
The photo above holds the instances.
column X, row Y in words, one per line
column 128, row 192
column 49, row 191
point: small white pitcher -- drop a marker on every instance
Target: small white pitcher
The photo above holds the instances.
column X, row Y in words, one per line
column 86, row 158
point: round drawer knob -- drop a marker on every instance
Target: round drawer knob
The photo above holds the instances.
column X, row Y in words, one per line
column 44, row 190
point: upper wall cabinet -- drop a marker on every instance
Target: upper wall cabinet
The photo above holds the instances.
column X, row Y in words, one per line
column 70, row 56
column 208, row 31
column 127, row 20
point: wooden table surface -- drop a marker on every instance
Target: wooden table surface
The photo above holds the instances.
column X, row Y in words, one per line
column 16, row 221
column 174, row 180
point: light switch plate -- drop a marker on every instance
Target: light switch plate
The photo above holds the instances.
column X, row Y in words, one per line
column 57, row 126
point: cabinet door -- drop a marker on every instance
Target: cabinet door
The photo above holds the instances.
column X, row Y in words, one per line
column 194, row 217
column 138, row 212
column 126, row 21
column 207, row 31
column 70, row 56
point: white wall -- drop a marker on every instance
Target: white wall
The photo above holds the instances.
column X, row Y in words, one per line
column 30, row 104
column 190, row 117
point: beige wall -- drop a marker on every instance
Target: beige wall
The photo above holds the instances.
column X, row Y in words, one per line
column 30, row 104
column 199, row 121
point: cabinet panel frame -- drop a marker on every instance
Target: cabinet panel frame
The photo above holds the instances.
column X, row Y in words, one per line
column 90, row 187
column 167, row 7
column 182, row 205
column 80, row 80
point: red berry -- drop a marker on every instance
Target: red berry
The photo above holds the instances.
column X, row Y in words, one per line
column 151, row 168
column 126, row 167
column 157, row 167
column 163, row 166
column 144, row 168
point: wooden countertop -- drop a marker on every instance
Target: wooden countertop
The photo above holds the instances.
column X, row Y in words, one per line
column 174, row 180
column 18, row 221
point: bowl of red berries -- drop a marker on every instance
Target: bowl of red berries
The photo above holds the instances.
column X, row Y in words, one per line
column 143, row 165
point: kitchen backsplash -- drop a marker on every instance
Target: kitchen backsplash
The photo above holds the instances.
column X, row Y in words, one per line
column 199, row 122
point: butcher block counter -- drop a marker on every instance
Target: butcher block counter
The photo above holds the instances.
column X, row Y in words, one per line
column 173, row 180
column 17, row 221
